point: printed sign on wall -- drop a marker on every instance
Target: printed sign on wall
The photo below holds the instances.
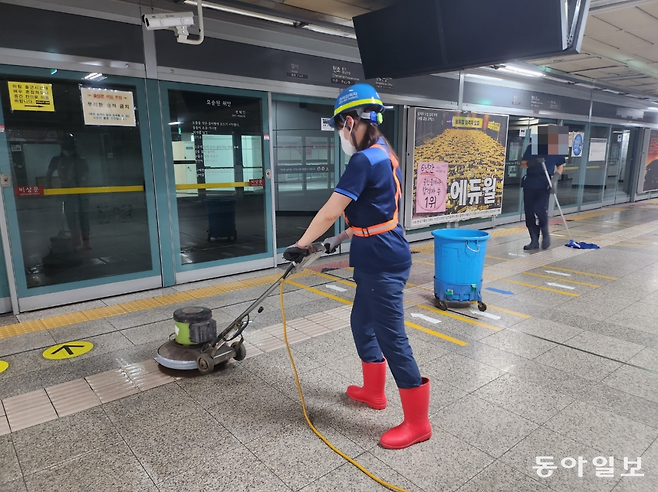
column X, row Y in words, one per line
column 458, row 166
column 649, row 181
column 105, row 107
column 31, row 96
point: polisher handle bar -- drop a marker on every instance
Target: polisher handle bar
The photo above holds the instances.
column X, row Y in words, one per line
column 238, row 325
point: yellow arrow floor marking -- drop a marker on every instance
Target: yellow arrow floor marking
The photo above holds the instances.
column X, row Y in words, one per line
column 67, row 350
column 3, row 366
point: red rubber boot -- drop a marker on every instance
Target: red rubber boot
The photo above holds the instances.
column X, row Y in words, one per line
column 416, row 426
column 372, row 392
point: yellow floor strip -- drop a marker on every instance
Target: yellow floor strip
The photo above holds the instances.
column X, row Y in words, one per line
column 533, row 286
column 423, row 262
column 435, row 333
column 334, row 279
column 51, row 322
column 513, row 313
column 497, row 258
column 316, row 291
column 561, row 279
column 64, row 320
column 461, row 318
column 407, row 323
column 576, row 271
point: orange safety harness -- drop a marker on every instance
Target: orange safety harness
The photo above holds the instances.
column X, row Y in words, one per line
column 389, row 225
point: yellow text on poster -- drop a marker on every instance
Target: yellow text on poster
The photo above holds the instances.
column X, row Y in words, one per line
column 466, row 122
column 31, row 96
column 492, row 125
column 3, row 366
column 67, row 350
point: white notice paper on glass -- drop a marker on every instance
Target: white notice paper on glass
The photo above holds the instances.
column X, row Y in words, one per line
column 597, row 149
column 107, row 107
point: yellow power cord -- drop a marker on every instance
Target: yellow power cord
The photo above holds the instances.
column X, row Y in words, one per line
column 301, row 396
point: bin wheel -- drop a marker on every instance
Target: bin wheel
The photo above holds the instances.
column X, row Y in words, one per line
column 442, row 305
column 482, row 306
column 205, row 363
column 240, row 351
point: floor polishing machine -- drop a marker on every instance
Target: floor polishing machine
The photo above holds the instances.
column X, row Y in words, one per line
column 196, row 344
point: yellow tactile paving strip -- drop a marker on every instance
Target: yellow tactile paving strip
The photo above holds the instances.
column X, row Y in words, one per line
column 138, row 305
column 43, row 405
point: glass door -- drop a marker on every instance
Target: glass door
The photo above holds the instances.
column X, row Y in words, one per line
column 595, row 170
column 305, row 155
column 78, row 210
column 218, row 163
column 620, row 164
column 571, row 181
column 518, row 138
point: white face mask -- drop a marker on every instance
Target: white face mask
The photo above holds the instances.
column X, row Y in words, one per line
column 346, row 144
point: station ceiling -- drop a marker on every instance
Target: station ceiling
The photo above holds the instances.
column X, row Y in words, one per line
column 619, row 49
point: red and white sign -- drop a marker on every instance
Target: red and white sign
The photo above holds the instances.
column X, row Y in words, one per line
column 28, row 191
column 257, row 182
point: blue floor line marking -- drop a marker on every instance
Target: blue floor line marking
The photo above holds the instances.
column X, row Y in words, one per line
column 506, row 292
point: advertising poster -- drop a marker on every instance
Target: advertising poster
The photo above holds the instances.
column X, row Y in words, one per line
column 458, row 166
column 650, row 181
column 105, row 107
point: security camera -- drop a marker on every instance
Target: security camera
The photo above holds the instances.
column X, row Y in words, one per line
column 178, row 22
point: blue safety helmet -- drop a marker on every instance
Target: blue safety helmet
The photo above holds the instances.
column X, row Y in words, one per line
column 357, row 98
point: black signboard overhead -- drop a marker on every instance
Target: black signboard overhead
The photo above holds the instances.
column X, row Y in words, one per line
column 416, row 37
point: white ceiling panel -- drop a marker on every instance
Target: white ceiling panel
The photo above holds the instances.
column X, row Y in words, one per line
column 329, row 7
column 590, row 63
column 627, row 19
column 623, row 40
column 650, row 8
column 594, row 47
column 648, row 33
column 596, row 27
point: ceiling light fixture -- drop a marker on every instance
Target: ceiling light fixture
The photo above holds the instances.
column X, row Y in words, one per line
column 94, row 76
column 483, row 77
column 329, row 30
column 246, row 13
column 519, row 71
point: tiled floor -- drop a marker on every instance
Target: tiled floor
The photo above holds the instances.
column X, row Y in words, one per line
column 563, row 364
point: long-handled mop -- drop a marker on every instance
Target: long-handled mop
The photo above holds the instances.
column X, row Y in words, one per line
column 571, row 243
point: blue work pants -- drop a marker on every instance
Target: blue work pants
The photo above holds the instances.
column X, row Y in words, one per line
column 378, row 324
column 535, row 202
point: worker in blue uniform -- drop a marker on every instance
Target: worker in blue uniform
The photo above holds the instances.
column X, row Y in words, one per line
column 537, row 189
column 368, row 195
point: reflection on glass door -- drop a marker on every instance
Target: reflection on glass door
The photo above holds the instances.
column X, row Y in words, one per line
column 219, row 171
column 620, row 164
column 570, row 181
column 518, row 138
column 304, row 171
column 595, row 170
column 77, row 210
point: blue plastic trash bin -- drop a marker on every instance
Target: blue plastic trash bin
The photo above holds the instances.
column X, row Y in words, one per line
column 459, row 265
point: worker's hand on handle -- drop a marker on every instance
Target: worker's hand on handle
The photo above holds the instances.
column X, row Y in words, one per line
column 331, row 243
column 296, row 253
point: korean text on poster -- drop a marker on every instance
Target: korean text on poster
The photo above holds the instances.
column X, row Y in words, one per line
column 458, row 167
column 106, row 107
column 31, row 96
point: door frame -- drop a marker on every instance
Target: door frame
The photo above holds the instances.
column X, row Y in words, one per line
column 24, row 299
column 217, row 268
